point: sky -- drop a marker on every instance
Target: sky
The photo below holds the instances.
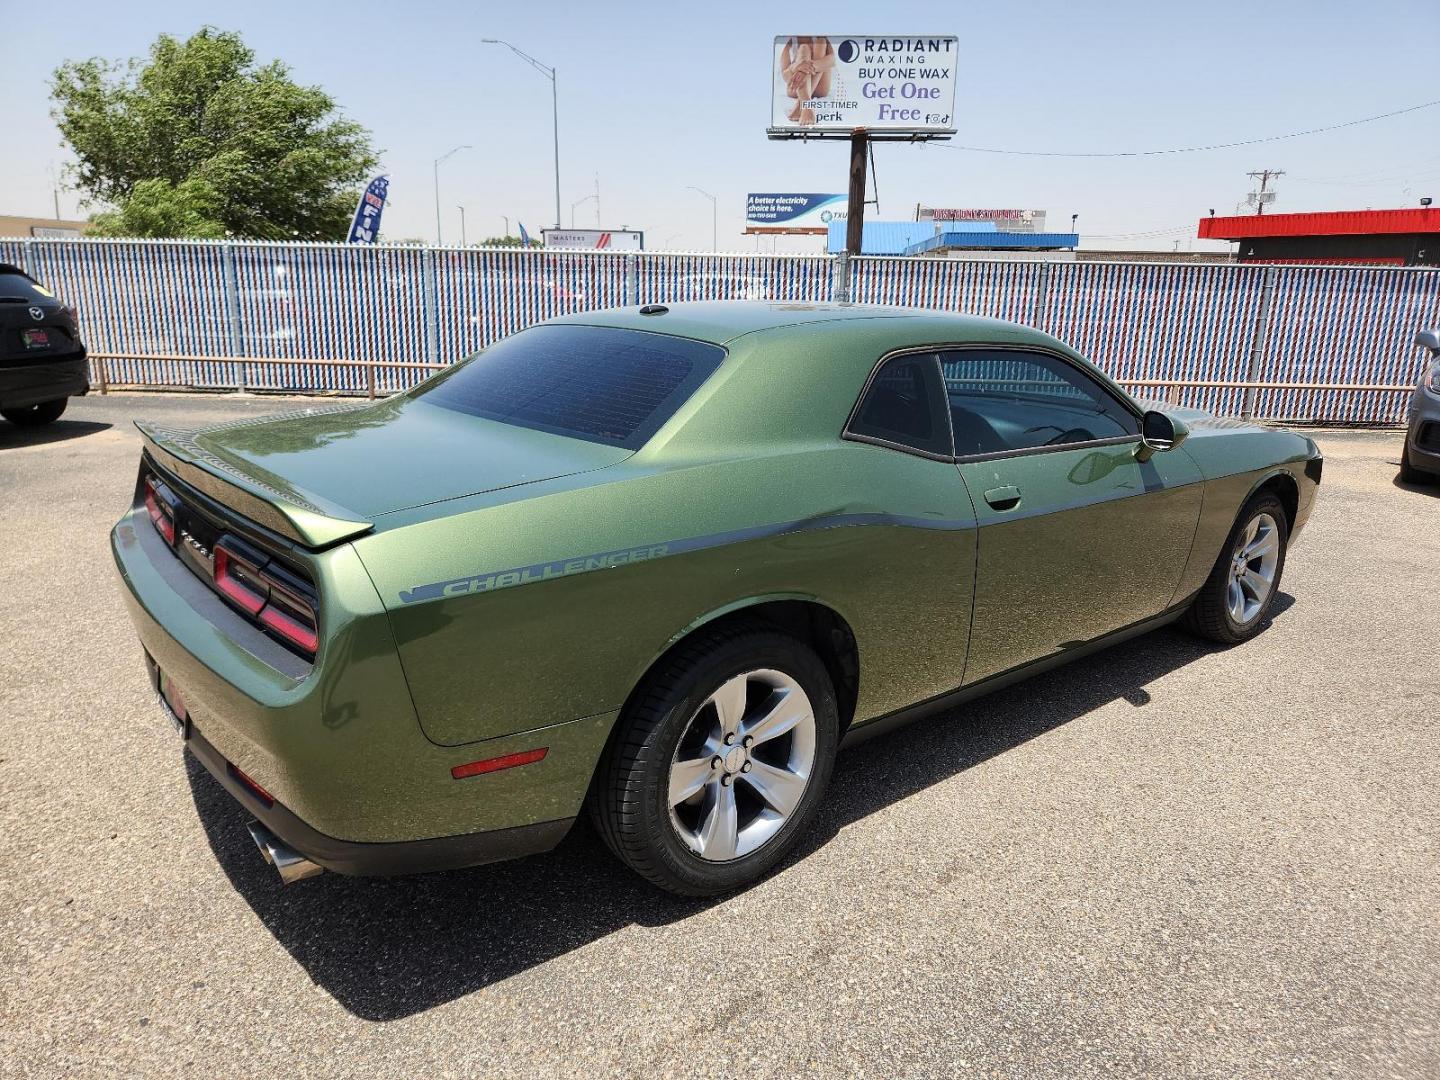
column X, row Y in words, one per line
column 655, row 98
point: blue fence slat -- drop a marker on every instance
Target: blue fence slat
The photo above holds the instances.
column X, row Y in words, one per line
column 145, row 304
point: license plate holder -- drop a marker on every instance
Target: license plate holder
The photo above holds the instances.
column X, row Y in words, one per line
column 35, row 338
column 172, row 703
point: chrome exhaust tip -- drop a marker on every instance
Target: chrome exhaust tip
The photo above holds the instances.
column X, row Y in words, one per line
column 290, row 863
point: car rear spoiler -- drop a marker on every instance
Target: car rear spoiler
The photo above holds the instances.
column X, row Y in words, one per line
column 297, row 516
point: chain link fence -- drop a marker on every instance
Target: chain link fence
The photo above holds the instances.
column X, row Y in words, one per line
column 1298, row 343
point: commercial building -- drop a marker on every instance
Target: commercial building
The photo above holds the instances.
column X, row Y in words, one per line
column 1409, row 237
column 13, row 225
column 948, row 236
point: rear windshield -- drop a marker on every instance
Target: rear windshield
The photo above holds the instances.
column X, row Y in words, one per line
column 16, row 286
column 597, row 383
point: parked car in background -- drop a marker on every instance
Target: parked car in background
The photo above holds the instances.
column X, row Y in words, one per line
column 666, row 562
column 1420, row 458
column 42, row 359
column 723, row 286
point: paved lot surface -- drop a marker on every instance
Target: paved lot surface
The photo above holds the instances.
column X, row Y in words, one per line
column 1171, row 861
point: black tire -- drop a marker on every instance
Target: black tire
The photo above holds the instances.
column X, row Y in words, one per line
column 629, row 800
column 47, row 412
column 1408, row 473
column 1209, row 615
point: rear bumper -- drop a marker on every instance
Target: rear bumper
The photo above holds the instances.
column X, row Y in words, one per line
column 357, row 787
column 377, row 860
column 33, row 384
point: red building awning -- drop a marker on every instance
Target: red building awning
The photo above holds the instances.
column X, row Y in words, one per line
column 1337, row 223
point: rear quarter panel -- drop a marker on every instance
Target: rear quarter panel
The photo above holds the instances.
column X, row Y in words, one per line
column 536, row 612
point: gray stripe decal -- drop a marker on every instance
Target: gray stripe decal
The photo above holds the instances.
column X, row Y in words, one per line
column 605, row 560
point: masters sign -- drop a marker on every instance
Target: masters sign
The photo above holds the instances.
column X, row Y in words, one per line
column 884, row 84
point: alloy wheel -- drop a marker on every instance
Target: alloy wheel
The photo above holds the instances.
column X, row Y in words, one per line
column 1252, row 568
column 743, row 765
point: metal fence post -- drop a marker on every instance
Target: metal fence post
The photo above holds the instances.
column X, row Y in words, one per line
column 1257, row 341
column 232, row 313
column 840, row 278
column 632, row 279
column 431, row 305
column 1041, row 297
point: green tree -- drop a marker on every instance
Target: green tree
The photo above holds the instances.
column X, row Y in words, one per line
column 200, row 141
column 508, row 241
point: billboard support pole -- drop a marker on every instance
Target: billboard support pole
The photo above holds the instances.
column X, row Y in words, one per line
column 855, row 212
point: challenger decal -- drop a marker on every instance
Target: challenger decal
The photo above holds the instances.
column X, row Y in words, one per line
column 523, row 575
column 608, row 560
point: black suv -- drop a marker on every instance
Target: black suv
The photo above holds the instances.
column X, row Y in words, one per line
column 42, row 359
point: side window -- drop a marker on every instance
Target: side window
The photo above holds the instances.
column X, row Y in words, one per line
column 905, row 404
column 1003, row 399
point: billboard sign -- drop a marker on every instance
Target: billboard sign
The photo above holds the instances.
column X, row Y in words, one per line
column 881, row 84
column 792, row 213
column 1003, row 220
column 365, row 226
column 595, row 239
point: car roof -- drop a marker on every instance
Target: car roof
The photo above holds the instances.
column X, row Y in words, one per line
column 722, row 321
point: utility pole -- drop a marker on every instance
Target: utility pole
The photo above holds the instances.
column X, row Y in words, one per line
column 462, row 224
column 1264, row 176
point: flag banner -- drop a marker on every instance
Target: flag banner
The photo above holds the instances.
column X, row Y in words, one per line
column 365, row 229
column 524, row 236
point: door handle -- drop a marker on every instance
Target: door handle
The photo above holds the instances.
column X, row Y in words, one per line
column 1003, row 498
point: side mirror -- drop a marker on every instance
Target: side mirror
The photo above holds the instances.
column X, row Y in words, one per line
column 1159, row 432
column 1429, row 339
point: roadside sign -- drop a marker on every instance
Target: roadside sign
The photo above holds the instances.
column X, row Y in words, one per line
column 595, row 239
column 842, row 84
column 792, row 213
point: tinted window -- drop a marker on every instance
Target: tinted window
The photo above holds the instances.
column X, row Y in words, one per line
column 1007, row 400
column 905, row 404
column 589, row 382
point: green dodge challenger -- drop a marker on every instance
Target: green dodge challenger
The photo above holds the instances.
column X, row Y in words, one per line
column 662, row 563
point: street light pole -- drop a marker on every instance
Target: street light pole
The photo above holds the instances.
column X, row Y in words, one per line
column 462, row 224
column 549, row 73
column 578, row 202
column 438, row 161
column 507, row 225
column 714, row 241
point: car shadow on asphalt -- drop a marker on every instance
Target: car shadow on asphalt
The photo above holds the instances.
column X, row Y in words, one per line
column 387, row 948
column 1432, row 489
column 13, row 435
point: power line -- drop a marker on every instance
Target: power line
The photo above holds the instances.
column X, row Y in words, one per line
column 1189, row 149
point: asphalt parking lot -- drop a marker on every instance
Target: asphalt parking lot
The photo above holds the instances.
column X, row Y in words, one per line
column 1171, row 860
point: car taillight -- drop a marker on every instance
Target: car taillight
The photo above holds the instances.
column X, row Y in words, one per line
column 261, row 588
column 238, row 578
column 161, row 509
column 290, row 613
